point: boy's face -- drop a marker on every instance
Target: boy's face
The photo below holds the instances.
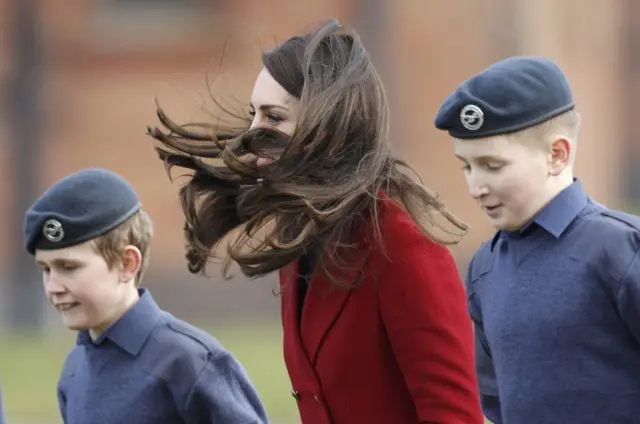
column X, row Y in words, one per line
column 80, row 285
column 506, row 178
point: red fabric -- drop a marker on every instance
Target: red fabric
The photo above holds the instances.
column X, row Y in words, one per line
column 398, row 349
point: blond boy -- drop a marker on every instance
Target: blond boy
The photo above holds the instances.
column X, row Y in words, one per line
column 555, row 293
column 133, row 362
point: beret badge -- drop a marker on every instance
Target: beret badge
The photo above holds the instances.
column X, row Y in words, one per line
column 472, row 117
column 52, row 230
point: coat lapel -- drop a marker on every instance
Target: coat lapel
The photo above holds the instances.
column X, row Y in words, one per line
column 322, row 307
column 296, row 358
column 289, row 293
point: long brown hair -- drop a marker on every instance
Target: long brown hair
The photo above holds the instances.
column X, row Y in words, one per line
column 326, row 181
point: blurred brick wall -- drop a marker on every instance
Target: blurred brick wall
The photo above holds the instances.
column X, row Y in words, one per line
column 103, row 74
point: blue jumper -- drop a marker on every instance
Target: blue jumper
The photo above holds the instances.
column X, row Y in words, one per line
column 151, row 368
column 556, row 308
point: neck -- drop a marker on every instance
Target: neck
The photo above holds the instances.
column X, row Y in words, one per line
column 558, row 184
column 129, row 299
column 553, row 188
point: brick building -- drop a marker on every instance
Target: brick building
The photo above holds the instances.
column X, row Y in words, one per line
column 105, row 62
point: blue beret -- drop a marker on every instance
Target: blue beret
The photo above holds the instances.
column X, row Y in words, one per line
column 509, row 96
column 78, row 208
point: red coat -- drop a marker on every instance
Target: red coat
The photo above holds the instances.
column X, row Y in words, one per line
column 398, row 349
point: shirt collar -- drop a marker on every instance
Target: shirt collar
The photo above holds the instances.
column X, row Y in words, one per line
column 133, row 329
column 557, row 215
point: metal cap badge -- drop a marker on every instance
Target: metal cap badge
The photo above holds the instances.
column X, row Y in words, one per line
column 52, row 230
column 472, row 117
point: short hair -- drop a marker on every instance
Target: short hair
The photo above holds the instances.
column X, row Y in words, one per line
column 135, row 231
column 566, row 124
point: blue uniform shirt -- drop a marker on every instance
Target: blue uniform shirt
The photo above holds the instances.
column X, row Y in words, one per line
column 557, row 313
column 151, row 368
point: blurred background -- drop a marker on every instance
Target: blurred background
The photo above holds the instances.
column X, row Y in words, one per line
column 78, row 84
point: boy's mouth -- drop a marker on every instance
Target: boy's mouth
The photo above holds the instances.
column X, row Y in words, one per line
column 492, row 210
column 66, row 306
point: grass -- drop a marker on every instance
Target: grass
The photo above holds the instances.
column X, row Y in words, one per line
column 29, row 370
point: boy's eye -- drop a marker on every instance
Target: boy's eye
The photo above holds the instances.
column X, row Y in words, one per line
column 70, row 266
column 252, row 113
column 493, row 166
column 66, row 267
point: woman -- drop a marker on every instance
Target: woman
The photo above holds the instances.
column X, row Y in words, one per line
column 373, row 310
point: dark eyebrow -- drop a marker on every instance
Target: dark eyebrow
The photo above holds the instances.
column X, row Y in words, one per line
column 485, row 158
column 60, row 262
column 268, row 107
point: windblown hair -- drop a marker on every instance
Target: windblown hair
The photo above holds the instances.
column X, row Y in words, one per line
column 325, row 184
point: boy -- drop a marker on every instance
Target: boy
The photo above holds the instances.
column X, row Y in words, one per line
column 133, row 362
column 555, row 294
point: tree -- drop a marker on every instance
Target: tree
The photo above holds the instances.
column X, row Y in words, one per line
column 25, row 307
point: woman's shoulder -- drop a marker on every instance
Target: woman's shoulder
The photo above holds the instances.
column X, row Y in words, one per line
column 399, row 231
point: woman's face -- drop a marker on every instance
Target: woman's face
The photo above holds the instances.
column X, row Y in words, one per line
column 272, row 106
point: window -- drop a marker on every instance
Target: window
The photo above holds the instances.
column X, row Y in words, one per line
column 155, row 4
column 144, row 25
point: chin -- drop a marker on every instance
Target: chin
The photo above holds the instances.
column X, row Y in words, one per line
column 76, row 324
column 498, row 224
column 501, row 225
column 508, row 227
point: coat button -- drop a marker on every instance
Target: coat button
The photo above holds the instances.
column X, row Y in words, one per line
column 295, row 394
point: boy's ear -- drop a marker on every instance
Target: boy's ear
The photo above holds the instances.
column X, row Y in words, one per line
column 131, row 263
column 560, row 155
